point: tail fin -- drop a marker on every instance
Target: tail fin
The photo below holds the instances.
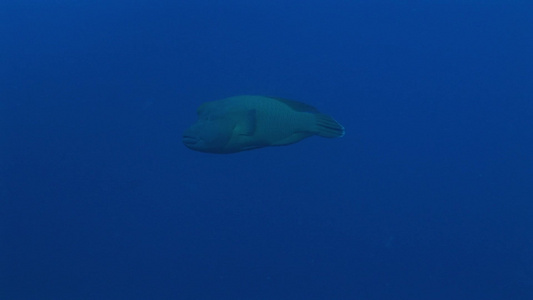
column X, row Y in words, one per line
column 327, row 127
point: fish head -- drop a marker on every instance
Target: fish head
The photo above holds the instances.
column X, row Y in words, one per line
column 210, row 133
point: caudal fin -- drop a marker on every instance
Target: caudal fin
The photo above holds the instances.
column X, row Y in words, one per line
column 326, row 126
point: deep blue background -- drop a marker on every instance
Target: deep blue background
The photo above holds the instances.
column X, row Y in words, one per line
column 428, row 196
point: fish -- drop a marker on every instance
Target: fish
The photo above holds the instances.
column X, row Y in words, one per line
column 247, row 122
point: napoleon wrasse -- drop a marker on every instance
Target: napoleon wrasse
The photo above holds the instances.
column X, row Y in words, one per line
column 249, row 122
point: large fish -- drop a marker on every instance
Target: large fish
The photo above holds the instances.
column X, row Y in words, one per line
column 249, row 122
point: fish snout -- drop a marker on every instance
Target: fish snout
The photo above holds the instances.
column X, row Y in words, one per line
column 189, row 138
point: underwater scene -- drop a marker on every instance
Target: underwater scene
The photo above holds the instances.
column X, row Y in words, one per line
column 266, row 150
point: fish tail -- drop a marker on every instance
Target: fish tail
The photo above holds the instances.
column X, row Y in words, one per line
column 326, row 126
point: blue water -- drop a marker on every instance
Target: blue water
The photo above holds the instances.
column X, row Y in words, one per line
column 429, row 195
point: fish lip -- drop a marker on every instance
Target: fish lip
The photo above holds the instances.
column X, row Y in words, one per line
column 189, row 140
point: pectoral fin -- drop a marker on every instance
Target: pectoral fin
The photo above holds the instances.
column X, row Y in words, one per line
column 247, row 123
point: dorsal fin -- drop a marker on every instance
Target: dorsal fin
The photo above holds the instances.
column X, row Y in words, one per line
column 297, row 106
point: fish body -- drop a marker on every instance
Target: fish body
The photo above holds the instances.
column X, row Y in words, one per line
column 249, row 122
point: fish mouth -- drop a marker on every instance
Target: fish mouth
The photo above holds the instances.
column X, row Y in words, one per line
column 189, row 140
